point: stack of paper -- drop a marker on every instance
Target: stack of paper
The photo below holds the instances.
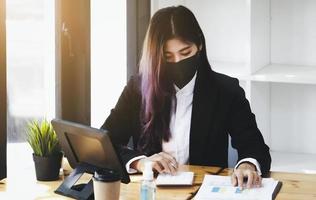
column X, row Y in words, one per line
column 220, row 188
column 180, row 178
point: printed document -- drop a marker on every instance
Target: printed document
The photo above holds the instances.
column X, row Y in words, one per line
column 220, row 188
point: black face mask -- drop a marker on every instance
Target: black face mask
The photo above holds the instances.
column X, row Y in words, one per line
column 182, row 72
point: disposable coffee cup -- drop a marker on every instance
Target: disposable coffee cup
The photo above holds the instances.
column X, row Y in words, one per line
column 106, row 184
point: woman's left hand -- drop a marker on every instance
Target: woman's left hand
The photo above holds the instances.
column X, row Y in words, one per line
column 246, row 171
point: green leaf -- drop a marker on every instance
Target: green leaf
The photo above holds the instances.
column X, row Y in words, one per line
column 42, row 138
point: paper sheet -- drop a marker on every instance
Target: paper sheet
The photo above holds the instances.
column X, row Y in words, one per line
column 220, row 188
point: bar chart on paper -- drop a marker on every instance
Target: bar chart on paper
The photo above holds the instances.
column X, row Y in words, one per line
column 220, row 188
column 227, row 190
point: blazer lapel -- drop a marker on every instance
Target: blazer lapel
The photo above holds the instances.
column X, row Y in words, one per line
column 204, row 103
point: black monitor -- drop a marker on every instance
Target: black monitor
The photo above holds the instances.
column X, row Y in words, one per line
column 87, row 150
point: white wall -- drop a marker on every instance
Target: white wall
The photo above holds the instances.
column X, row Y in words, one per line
column 293, row 32
column 226, row 28
column 293, row 117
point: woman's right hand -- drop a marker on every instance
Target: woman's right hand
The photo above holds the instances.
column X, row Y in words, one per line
column 162, row 162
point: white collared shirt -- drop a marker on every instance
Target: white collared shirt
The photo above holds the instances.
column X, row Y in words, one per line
column 180, row 123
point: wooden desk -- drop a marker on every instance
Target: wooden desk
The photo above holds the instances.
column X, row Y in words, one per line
column 23, row 185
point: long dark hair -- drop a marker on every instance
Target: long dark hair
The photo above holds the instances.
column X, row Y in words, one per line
column 156, row 87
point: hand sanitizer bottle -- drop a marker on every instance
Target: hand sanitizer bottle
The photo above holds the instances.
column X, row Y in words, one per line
column 148, row 186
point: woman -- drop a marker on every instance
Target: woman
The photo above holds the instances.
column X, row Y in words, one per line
column 179, row 111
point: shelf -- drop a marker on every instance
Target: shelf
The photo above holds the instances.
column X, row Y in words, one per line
column 236, row 70
column 286, row 74
column 293, row 162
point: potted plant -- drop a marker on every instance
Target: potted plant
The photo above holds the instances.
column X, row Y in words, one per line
column 47, row 155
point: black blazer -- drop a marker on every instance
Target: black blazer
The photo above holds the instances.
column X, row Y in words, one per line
column 219, row 108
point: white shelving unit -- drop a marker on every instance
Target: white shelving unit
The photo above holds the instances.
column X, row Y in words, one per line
column 270, row 46
column 282, row 73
